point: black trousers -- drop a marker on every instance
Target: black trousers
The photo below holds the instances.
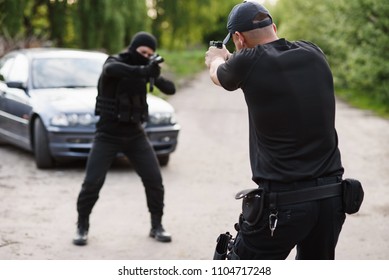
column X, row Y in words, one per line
column 142, row 156
column 312, row 227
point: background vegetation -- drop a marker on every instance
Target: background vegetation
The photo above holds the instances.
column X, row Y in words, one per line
column 354, row 34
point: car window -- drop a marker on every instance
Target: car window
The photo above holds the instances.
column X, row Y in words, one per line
column 5, row 66
column 19, row 70
column 65, row 72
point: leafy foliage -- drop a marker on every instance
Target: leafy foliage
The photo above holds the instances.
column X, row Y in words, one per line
column 353, row 34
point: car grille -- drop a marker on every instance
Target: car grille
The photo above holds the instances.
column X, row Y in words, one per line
column 79, row 140
column 80, row 150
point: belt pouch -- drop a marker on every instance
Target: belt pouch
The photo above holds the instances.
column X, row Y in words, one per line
column 352, row 195
column 252, row 204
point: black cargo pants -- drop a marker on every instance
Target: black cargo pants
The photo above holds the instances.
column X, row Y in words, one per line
column 313, row 227
column 142, row 156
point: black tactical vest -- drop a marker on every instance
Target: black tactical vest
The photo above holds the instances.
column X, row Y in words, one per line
column 122, row 99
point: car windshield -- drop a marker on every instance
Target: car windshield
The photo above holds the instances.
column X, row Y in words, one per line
column 65, row 72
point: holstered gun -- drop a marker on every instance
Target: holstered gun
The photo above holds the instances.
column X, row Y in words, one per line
column 222, row 246
column 252, row 204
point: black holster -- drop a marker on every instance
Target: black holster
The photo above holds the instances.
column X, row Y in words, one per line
column 252, row 204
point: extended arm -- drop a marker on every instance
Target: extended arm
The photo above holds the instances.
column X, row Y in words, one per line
column 165, row 85
column 215, row 57
column 116, row 68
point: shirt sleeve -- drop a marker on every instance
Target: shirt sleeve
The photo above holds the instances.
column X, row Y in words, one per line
column 165, row 85
column 233, row 72
column 311, row 45
column 116, row 68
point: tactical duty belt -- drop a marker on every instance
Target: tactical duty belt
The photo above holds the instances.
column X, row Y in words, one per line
column 303, row 195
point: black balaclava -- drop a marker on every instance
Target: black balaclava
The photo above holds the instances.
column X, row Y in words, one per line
column 141, row 39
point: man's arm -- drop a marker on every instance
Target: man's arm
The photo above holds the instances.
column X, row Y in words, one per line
column 214, row 65
column 215, row 57
column 165, row 85
column 114, row 67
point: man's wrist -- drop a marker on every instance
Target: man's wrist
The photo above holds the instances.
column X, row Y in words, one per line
column 216, row 62
column 214, row 65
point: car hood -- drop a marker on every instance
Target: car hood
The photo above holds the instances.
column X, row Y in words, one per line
column 67, row 99
column 158, row 105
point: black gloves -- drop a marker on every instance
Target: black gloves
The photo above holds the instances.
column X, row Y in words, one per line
column 152, row 70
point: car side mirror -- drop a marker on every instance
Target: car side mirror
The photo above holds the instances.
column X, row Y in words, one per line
column 19, row 85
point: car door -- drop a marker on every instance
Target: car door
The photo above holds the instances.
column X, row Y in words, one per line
column 5, row 66
column 15, row 104
column 3, row 89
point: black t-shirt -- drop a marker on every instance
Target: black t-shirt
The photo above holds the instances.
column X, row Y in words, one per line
column 289, row 92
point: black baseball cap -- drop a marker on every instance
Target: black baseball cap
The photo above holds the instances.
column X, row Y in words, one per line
column 242, row 16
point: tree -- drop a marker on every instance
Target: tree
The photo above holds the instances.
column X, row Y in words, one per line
column 57, row 15
column 367, row 38
column 182, row 24
column 353, row 34
column 109, row 25
column 11, row 17
column 90, row 21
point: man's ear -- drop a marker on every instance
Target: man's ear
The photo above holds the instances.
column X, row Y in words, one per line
column 241, row 39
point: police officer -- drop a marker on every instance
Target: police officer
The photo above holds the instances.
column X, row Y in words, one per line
column 122, row 106
column 294, row 155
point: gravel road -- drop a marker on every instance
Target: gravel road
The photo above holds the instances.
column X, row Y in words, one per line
column 37, row 207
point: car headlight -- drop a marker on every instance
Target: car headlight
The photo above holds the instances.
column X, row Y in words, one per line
column 73, row 120
column 164, row 118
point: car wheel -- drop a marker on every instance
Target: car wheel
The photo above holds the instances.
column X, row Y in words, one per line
column 43, row 157
column 163, row 160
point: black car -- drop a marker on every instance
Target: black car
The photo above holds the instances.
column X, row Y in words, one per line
column 47, row 102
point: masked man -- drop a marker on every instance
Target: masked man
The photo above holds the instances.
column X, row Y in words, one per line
column 122, row 106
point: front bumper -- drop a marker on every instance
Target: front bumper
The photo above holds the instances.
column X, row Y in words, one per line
column 163, row 139
column 78, row 143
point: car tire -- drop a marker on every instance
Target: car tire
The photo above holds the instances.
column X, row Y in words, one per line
column 42, row 153
column 163, row 160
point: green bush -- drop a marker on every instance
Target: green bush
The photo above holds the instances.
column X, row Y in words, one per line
column 355, row 37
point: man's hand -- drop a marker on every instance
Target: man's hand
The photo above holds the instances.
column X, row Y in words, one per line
column 214, row 57
column 214, row 53
column 152, row 70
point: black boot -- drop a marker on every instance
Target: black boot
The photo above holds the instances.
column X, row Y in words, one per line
column 157, row 231
column 81, row 237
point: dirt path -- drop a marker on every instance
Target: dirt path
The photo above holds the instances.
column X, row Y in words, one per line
column 37, row 207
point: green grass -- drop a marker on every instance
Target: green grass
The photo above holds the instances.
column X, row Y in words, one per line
column 361, row 101
column 184, row 65
column 181, row 67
